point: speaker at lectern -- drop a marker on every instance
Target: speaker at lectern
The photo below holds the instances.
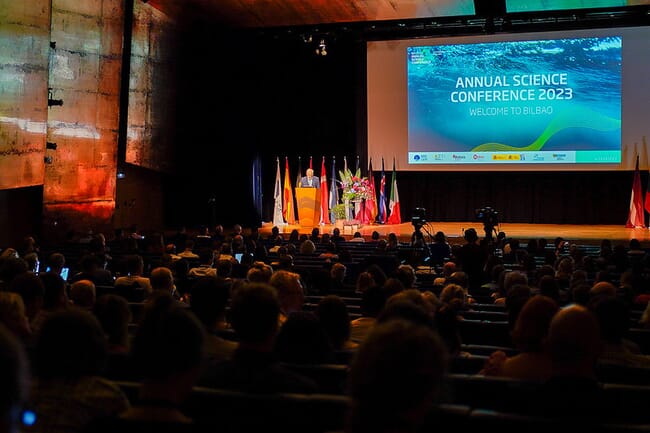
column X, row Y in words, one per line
column 308, row 206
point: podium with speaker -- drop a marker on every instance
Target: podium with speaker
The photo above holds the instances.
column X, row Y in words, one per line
column 308, row 206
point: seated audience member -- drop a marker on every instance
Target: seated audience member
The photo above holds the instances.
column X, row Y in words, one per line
column 448, row 268
column 395, row 378
column 572, row 391
column 439, row 250
column 225, row 268
column 14, row 377
column 302, row 340
column 406, row 274
column 167, row 355
column 31, row 289
column 393, row 286
column 206, row 262
column 291, row 294
column 533, row 362
column 209, row 301
column 68, row 391
column 162, row 280
column 56, row 262
column 55, row 298
column 338, row 272
column 365, row 280
column 83, row 294
column 259, row 272
column 372, row 302
column 14, row 317
column 254, row 315
column 333, row 314
column 188, row 251
column 134, row 277
column 114, row 315
column 411, row 305
column 357, row 237
column 91, row 269
column 614, row 323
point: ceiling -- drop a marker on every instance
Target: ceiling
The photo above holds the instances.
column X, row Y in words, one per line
column 276, row 13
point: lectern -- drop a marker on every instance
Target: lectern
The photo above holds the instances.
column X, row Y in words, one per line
column 308, row 206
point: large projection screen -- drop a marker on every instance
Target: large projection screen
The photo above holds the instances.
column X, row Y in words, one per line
column 570, row 100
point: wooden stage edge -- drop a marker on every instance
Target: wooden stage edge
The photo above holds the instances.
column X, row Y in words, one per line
column 574, row 233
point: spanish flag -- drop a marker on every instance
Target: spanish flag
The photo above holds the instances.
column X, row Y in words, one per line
column 287, row 204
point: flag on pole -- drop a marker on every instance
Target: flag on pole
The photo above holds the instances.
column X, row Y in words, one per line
column 381, row 218
column 299, row 174
column 277, row 196
column 287, row 205
column 635, row 218
column 371, row 202
column 324, row 196
column 393, row 202
column 334, row 191
column 647, row 192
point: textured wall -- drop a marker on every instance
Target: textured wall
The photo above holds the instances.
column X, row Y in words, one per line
column 152, row 95
column 85, row 66
column 24, row 48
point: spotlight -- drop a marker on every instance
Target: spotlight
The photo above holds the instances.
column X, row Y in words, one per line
column 50, row 145
column 120, row 173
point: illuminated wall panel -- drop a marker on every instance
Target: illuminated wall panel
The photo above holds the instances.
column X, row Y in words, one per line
column 85, row 72
column 24, row 49
column 150, row 136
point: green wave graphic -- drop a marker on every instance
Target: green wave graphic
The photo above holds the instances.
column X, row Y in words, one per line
column 578, row 118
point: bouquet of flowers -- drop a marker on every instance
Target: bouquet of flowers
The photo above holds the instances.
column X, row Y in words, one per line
column 354, row 186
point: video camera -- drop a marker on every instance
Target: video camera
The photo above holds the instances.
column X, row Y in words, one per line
column 487, row 215
column 419, row 218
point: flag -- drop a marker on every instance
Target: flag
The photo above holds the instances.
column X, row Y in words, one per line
column 277, row 196
column 382, row 195
column 371, row 202
column 647, row 192
column 393, row 202
column 299, row 174
column 287, row 204
column 636, row 219
column 334, row 191
column 324, row 196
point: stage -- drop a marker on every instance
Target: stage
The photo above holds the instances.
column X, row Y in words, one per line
column 574, row 233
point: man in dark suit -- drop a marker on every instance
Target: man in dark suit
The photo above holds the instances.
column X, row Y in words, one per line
column 309, row 181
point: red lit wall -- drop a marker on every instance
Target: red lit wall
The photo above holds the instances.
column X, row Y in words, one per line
column 85, row 67
column 24, row 49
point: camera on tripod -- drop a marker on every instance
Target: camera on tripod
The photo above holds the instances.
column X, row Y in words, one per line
column 419, row 218
column 488, row 216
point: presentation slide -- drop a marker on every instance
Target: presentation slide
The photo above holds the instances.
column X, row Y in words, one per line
column 549, row 101
column 521, row 102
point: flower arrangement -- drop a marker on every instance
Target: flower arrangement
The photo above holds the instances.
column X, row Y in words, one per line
column 354, row 186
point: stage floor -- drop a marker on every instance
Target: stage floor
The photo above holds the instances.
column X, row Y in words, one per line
column 575, row 233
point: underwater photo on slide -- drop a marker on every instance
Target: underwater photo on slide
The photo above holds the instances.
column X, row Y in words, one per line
column 534, row 101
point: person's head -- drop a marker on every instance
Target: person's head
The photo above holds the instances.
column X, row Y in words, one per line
column 56, row 261
column 168, row 347
column 512, row 278
column 309, row 172
column 453, row 295
column 307, row 247
column 206, row 256
column 161, row 278
column 31, row 288
column 70, row 345
column 440, row 237
column 395, row 377
column 83, row 294
column 134, row 264
column 334, row 317
column 338, row 271
column 259, row 272
column 13, row 315
column 290, row 291
column 14, row 377
column 470, row 235
column 574, row 341
column 254, row 315
column 54, row 293
column 114, row 316
column 410, row 305
column 531, row 327
column 602, row 288
column 613, row 317
column 406, row 274
column 548, row 286
column 393, row 285
column 302, row 340
column 460, row 278
column 209, row 300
